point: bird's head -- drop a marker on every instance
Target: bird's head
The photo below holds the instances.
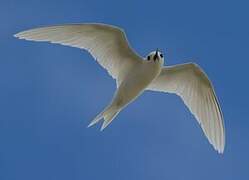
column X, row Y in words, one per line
column 155, row 57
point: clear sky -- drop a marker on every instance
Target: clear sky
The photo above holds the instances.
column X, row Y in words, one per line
column 49, row 94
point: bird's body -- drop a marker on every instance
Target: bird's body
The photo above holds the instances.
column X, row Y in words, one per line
column 134, row 74
column 133, row 84
column 136, row 82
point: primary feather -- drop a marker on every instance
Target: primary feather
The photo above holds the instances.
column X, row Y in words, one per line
column 107, row 44
column 193, row 86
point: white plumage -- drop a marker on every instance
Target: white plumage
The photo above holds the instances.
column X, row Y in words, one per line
column 190, row 83
column 109, row 46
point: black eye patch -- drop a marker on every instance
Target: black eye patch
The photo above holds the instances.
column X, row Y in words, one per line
column 161, row 55
column 148, row 58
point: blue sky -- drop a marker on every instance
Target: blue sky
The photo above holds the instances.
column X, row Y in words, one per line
column 49, row 94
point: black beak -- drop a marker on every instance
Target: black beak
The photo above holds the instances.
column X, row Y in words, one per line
column 156, row 55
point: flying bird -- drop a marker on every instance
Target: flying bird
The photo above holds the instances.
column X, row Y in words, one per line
column 134, row 74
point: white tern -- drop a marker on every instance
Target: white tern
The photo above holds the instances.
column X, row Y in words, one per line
column 134, row 74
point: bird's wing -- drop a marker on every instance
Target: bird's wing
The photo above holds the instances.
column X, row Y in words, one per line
column 193, row 86
column 107, row 44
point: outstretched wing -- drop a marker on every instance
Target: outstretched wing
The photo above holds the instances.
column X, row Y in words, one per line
column 193, row 86
column 107, row 44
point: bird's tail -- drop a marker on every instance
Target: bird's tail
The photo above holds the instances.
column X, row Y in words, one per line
column 108, row 115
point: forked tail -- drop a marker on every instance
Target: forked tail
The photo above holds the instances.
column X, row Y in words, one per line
column 108, row 115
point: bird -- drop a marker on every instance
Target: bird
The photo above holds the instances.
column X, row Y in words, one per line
column 135, row 74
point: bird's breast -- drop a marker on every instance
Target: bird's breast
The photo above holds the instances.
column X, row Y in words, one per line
column 135, row 83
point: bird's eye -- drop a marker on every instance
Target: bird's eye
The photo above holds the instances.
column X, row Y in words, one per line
column 161, row 55
column 148, row 58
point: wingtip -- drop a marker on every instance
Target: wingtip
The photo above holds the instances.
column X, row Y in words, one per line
column 15, row 35
column 220, row 149
column 221, row 152
column 18, row 36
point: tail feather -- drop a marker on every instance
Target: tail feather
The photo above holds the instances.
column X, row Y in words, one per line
column 96, row 119
column 108, row 119
column 108, row 115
